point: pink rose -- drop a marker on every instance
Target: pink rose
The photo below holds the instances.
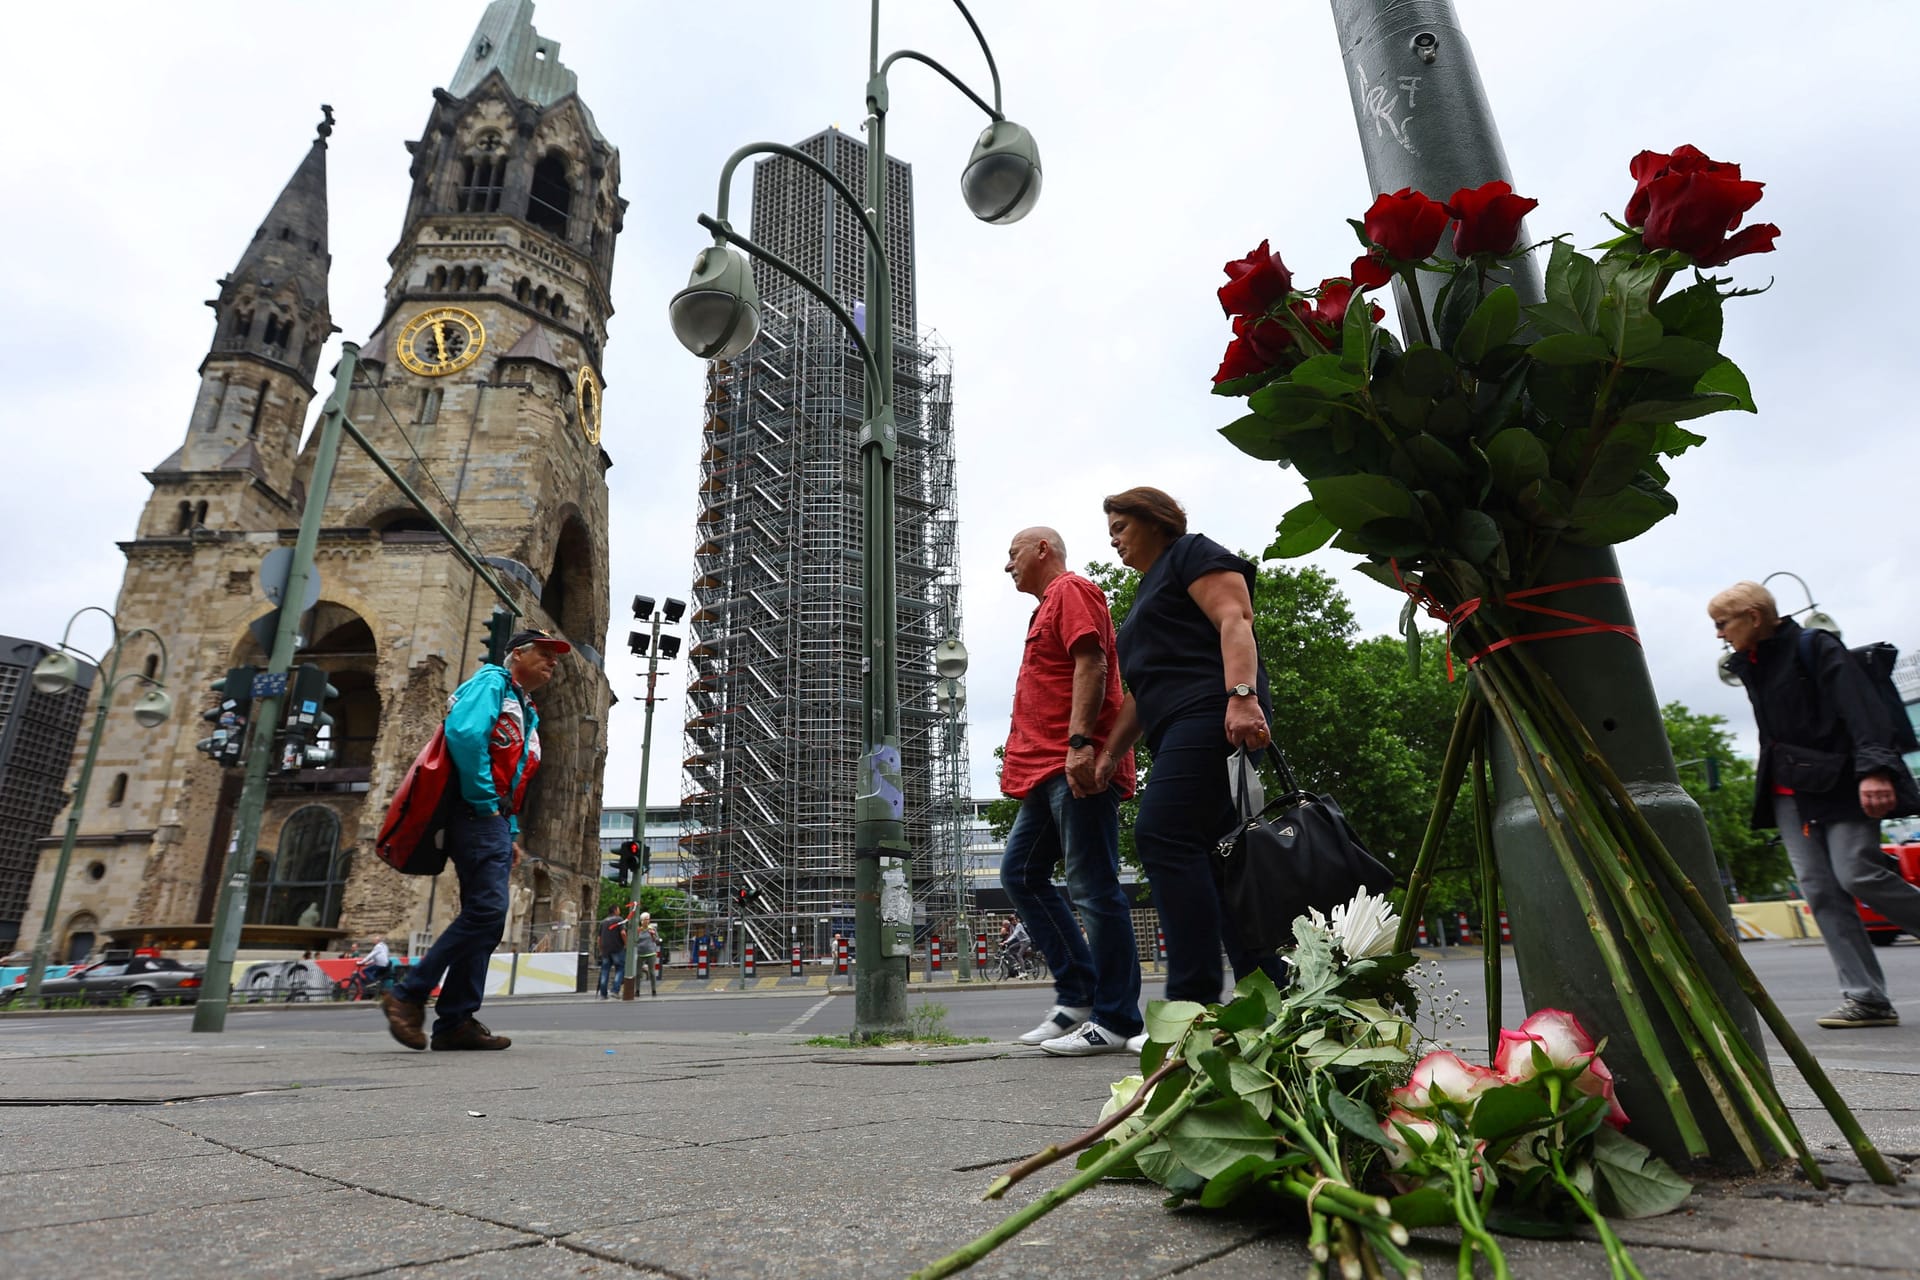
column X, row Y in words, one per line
column 1444, row 1077
column 1568, row 1048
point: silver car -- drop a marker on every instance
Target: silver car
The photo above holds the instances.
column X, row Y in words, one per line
column 138, row 980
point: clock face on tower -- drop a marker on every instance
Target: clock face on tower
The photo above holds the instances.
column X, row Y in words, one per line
column 586, row 392
column 441, row 341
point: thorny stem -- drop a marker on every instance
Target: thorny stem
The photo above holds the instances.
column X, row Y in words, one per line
column 1489, row 893
column 1618, row 1260
column 1466, row 730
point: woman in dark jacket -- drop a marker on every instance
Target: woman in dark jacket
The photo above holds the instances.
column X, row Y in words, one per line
column 1196, row 691
column 1828, row 774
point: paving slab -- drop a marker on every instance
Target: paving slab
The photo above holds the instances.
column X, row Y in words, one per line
column 51, row 1197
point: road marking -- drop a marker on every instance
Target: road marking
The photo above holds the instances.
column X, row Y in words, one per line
column 801, row 1021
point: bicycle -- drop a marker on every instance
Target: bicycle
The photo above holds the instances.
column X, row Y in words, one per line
column 1020, row 961
column 361, row 985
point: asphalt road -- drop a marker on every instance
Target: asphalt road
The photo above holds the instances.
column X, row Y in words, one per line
column 1797, row 974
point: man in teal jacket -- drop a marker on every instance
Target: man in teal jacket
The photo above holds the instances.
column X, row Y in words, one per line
column 493, row 739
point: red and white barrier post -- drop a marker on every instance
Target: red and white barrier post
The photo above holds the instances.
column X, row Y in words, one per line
column 794, row 969
column 1160, row 944
column 700, row 966
column 1466, row 934
column 746, row 960
column 1506, row 931
column 840, row 957
column 933, row 953
column 980, row 954
column 1421, row 935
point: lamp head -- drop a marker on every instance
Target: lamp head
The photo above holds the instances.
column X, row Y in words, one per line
column 1818, row 621
column 55, row 674
column 152, row 707
column 949, row 696
column 1001, row 182
column 950, row 658
column 1726, row 674
column 718, row 314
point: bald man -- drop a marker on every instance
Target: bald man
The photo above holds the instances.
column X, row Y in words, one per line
column 1064, row 705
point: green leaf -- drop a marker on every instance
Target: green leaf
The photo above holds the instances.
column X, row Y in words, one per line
column 1158, row 1162
column 1356, row 1118
column 1570, row 348
column 1426, row 1206
column 1289, row 404
column 1621, row 516
column 1509, row 1110
column 1257, row 436
column 1625, row 317
column 1475, row 535
column 1573, row 283
column 1242, row 1012
column 1517, row 458
column 1433, row 460
column 1677, row 410
column 1527, row 1221
column 1211, row 1136
column 1671, row 441
column 1620, row 457
column 1681, row 357
column 1168, row 1020
column 1328, row 375
column 1214, row 1064
column 1425, row 371
column 1301, row 531
column 1357, row 335
column 1353, row 501
column 1634, row 1182
column 1091, row 1156
column 1455, row 306
column 1727, row 379
column 1551, row 318
column 1693, row 313
column 1230, row 1183
column 1252, row 1084
column 1490, row 325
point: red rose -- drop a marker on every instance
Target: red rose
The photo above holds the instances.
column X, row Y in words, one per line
column 1406, row 225
column 1370, row 271
column 1329, row 308
column 1487, row 218
column 1689, row 201
column 1255, row 283
column 1258, row 344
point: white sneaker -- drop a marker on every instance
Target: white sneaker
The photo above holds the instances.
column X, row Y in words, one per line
column 1137, row 1043
column 1059, row 1020
column 1087, row 1038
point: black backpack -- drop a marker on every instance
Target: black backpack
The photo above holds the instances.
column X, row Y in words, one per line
column 1877, row 661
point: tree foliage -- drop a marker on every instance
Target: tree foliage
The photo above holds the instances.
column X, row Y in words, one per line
column 1754, row 861
column 668, row 906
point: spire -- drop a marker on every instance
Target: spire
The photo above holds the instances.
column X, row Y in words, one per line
column 505, row 41
column 274, row 302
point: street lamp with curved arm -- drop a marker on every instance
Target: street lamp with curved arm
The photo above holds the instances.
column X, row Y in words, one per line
column 55, row 675
column 717, row 315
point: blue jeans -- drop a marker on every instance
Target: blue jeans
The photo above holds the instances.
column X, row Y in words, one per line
column 1184, row 810
column 615, row 963
column 1100, row 971
column 482, row 854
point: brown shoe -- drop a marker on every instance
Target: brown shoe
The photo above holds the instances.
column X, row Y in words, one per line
column 405, row 1020
column 471, row 1034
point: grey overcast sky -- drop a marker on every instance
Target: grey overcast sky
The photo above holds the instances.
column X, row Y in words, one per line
column 1175, row 137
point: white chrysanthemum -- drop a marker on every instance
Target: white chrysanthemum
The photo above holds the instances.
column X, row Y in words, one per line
column 1366, row 926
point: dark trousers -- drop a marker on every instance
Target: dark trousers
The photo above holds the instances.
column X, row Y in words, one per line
column 481, row 850
column 613, row 964
column 1184, row 810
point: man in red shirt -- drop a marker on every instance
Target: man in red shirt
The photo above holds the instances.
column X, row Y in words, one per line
column 1064, row 705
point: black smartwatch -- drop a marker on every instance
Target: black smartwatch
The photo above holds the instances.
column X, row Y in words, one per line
column 1079, row 740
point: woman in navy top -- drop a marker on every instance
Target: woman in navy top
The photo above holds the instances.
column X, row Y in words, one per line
column 1196, row 692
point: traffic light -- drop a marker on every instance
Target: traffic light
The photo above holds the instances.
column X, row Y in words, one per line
column 499, row 631
column 744, row 893
column 229, row 717
column 307, row 716
column 630, row 862
column 1713, row 774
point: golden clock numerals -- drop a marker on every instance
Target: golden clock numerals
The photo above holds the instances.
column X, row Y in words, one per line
column 586, row 394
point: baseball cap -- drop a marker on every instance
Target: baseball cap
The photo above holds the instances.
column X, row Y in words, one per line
column 534, row 635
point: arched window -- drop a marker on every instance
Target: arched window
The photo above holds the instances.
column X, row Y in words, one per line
column 184, row 520
column 243, row 323
column 540, row 298
column 476, row 278
column 522, row 288
column 200, row 512
column 556, row 306
column 458, row 280
column 569, row 593
column 551, row 198
column 82, row 929
column 438, row 280
column 259, row 400
column 309, row 870
column 117, row 793
column 483, row 175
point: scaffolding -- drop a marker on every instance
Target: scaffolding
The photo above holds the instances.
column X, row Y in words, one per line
column 774, row 734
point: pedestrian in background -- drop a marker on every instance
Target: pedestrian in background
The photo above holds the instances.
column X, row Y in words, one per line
column 1197, row 692
column 1065, row 699
column 493, row 740
column 1828, row 773
column 613, row 953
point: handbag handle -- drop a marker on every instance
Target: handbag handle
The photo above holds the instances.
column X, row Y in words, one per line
column 1243, row 761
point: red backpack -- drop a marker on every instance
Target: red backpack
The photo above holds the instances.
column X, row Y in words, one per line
column 412, row 835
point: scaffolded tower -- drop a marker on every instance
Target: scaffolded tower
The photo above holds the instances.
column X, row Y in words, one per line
column 774, row 733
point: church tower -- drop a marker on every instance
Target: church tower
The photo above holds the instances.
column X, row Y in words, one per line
column 481, row 384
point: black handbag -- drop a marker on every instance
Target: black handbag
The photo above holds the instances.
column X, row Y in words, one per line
column 1298, row 852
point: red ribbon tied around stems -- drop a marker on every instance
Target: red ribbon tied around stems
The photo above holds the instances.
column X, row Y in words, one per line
column 1454, row 615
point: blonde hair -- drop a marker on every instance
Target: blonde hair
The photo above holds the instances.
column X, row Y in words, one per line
column 1747, row 595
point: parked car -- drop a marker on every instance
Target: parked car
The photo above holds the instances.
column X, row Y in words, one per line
column 1881, row 930
column 139, row 980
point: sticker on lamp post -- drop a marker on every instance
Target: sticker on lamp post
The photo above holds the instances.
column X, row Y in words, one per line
column 896, row 908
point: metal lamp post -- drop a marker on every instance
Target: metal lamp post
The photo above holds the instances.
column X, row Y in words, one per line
column 656, row 647
column 717, row 316
column 950, row 697
column 56, row 674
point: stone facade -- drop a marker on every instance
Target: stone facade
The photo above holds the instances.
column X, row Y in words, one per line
column 511, row 219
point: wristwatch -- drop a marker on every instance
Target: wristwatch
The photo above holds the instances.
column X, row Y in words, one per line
column 1241, row 691
column 1079, row 740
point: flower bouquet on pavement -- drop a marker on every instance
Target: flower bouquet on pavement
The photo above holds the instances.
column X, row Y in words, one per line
column 1308, row 1098
column 1458, row 464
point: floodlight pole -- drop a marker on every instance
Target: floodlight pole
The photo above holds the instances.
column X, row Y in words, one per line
column 630, row 987
column 1425, row 123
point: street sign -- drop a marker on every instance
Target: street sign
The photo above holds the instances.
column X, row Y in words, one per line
column 269, row 684
column 274, row 568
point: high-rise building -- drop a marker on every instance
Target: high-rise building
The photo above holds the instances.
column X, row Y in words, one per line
column 481, row 383
column 774, row 734
column 37, row 733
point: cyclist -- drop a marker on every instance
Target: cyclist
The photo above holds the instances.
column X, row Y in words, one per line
column 376, row 967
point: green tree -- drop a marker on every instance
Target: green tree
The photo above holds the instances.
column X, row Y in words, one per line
column 1753, row 859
